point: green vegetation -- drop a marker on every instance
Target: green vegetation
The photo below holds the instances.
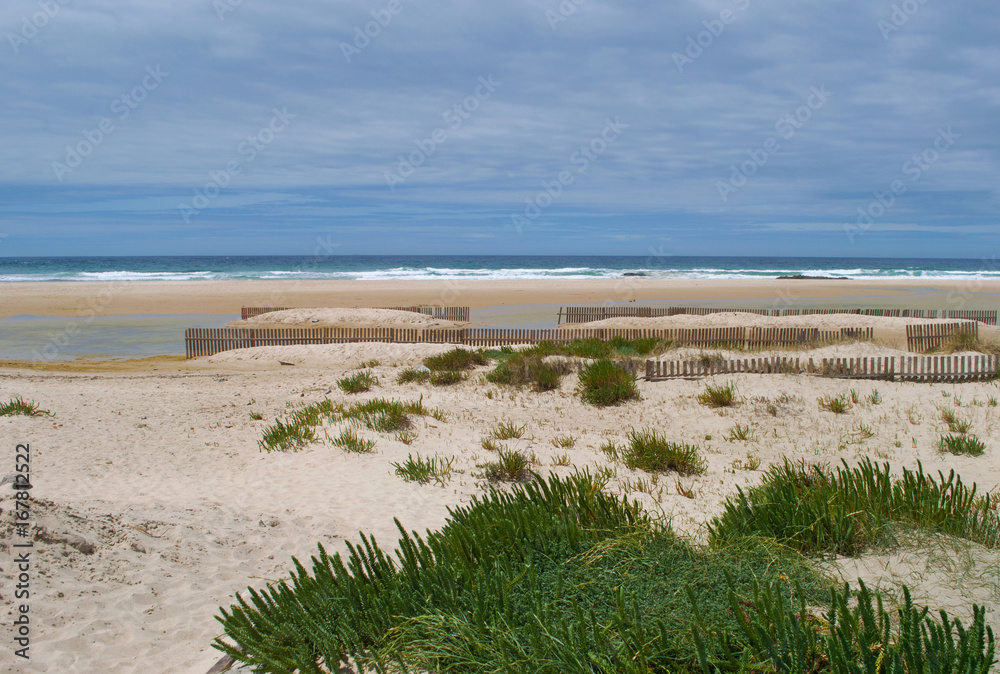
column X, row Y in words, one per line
column 510, row 466
column 723, row 395
column 815, row 510
column 955, row 423
column 349, row 441
column 17, row 406
column 740, row 433
column 368, row 364
column 412, row 374
column 256, row 416
column 524, row 369
column 649, row 451
column 604, row 383
column 377, row 414
column 447, row 377
column 564, row 441
column 456, row 359
column 595, row 349
column 961, row 444
column 359, row 382
column 836, row 404
column 559, row 576
column 507, row 430
column 422, row 471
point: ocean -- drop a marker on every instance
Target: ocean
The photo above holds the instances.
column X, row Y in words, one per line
column 388, row 267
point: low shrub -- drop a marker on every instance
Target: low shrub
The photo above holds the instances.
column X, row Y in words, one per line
column 524, row 369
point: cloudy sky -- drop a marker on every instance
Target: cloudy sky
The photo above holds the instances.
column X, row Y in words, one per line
column 779, row 127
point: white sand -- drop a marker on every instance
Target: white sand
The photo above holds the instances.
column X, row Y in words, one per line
column 163, row 475
column 345, row 318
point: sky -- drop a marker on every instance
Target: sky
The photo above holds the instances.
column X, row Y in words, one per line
column 724, row 127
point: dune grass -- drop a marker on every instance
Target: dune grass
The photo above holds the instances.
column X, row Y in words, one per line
column 722, row 395
column 961, row 445
column 456, row 359
column 848, row 510
column 350, row 441
column 559, row 576
column 412, row 374
column 20, row 407
column 840, row 404
column 359, row 382
column 649, row 451
column 510, row 466
column 604, row 383
column 528, row 369
column 423, row 471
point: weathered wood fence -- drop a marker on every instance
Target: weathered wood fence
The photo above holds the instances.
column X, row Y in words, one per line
column 588, row 314
column 446, row 313
column 890, row 368
column 207, row 341
column 921, row 338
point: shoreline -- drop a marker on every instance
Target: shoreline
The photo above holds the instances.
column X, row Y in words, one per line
column 110, row 298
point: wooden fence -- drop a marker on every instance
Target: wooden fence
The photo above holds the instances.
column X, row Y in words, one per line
column 890, row 368
column 921, row 338
column 588, row 314
column 446, row 313
column 207, row 341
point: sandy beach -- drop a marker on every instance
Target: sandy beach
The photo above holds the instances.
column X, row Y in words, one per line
column 156, row 505
column 226, row 297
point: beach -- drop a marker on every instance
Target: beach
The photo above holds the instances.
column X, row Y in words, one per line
column 157, row 505
column 88, row 298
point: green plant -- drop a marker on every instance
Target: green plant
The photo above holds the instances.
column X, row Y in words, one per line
column 422, row 471
column 18, row 406
column 961, row 444
column 846, row 511
column 874, row 398
column 365, row 365
column 723, row 395
column 384, row 416
column 836, row 404
column 564, row 441
column 256, row 416
column 742, row 433
column 456, row 359
column 280, row 436
column 359, row 382
column 406, row 437
column 711, row 359
column 686, row 492
column 604, row 382
column 991, row 401
column 611, row 450
column 412, row 374
column 751, row 464
column 510, row 466
column 561, row 460
column 522, row 369
column 349, row 441
column 648, row 450
column 490, row 446
column 507, row 430
column 955, row 423
column 446, row 377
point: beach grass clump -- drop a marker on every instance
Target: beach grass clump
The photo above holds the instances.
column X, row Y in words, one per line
column 559, row 575
column 740, row 433
column 848, row 510
column 955, row 423
column 20, row 407
column 359, row 382
column 564, row 442
column 961, row 445
column 350, row 441
column 423, row 471
column 722, row 395
column 290, row 436
column 456, row 359
column 528, row 369
column 839, row 404
column 411, row 374
column 604, row 383
column 385, row 416
column 507, row 430
column 447, row 377
column 649, row 451
column 966, row 340
column 596, row 349
column 510, row 466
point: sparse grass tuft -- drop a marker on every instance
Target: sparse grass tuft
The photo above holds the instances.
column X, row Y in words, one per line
column 561, row 460
column 741, row 433
column 456, row 359
column 523, row 369
column 422, row 471
column 19, row 407
column 490, row 445
column 374, row 362
column 412, row 374
column 955, row 423
column 506, row 430
column 406, row 437
column 510, row 466
column 874, row 398
column 349, row 441
column 836, row 404
column 604, row 383
column 446, row 377
column 564, row 441
column 723, row 395
column 359, row 382
column 256, row 416
column 649, row 451
column 961, row 445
